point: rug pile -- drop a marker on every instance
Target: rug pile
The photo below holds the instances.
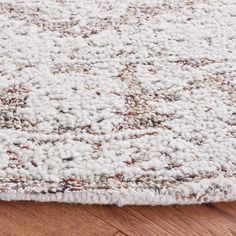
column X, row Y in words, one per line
column 118, row 102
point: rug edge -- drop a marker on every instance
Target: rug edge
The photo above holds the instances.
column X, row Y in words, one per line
column 188, row 194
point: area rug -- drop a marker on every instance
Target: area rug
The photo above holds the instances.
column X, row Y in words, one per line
column 118, row 102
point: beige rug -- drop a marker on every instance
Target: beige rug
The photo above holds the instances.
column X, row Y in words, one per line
column 118, row 102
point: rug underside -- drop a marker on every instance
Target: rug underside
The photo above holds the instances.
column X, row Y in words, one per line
column 118, row 102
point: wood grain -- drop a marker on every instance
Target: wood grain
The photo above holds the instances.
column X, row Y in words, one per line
column 29, row 218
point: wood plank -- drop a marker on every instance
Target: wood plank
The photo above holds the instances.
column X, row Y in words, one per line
column 228, row 208
column 215, row 221
column 193, row 220
column 120, row 234
column 27, row 218
column 131, row 223
column 172, row 220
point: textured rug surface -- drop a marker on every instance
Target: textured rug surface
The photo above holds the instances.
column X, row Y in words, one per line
column 115, row 102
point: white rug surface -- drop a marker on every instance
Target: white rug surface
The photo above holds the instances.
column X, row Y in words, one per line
column 118, row 102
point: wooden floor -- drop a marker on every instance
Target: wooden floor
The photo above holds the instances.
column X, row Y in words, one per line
column 28, row 218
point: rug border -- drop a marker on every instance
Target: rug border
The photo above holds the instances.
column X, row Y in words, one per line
column 121, row 197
